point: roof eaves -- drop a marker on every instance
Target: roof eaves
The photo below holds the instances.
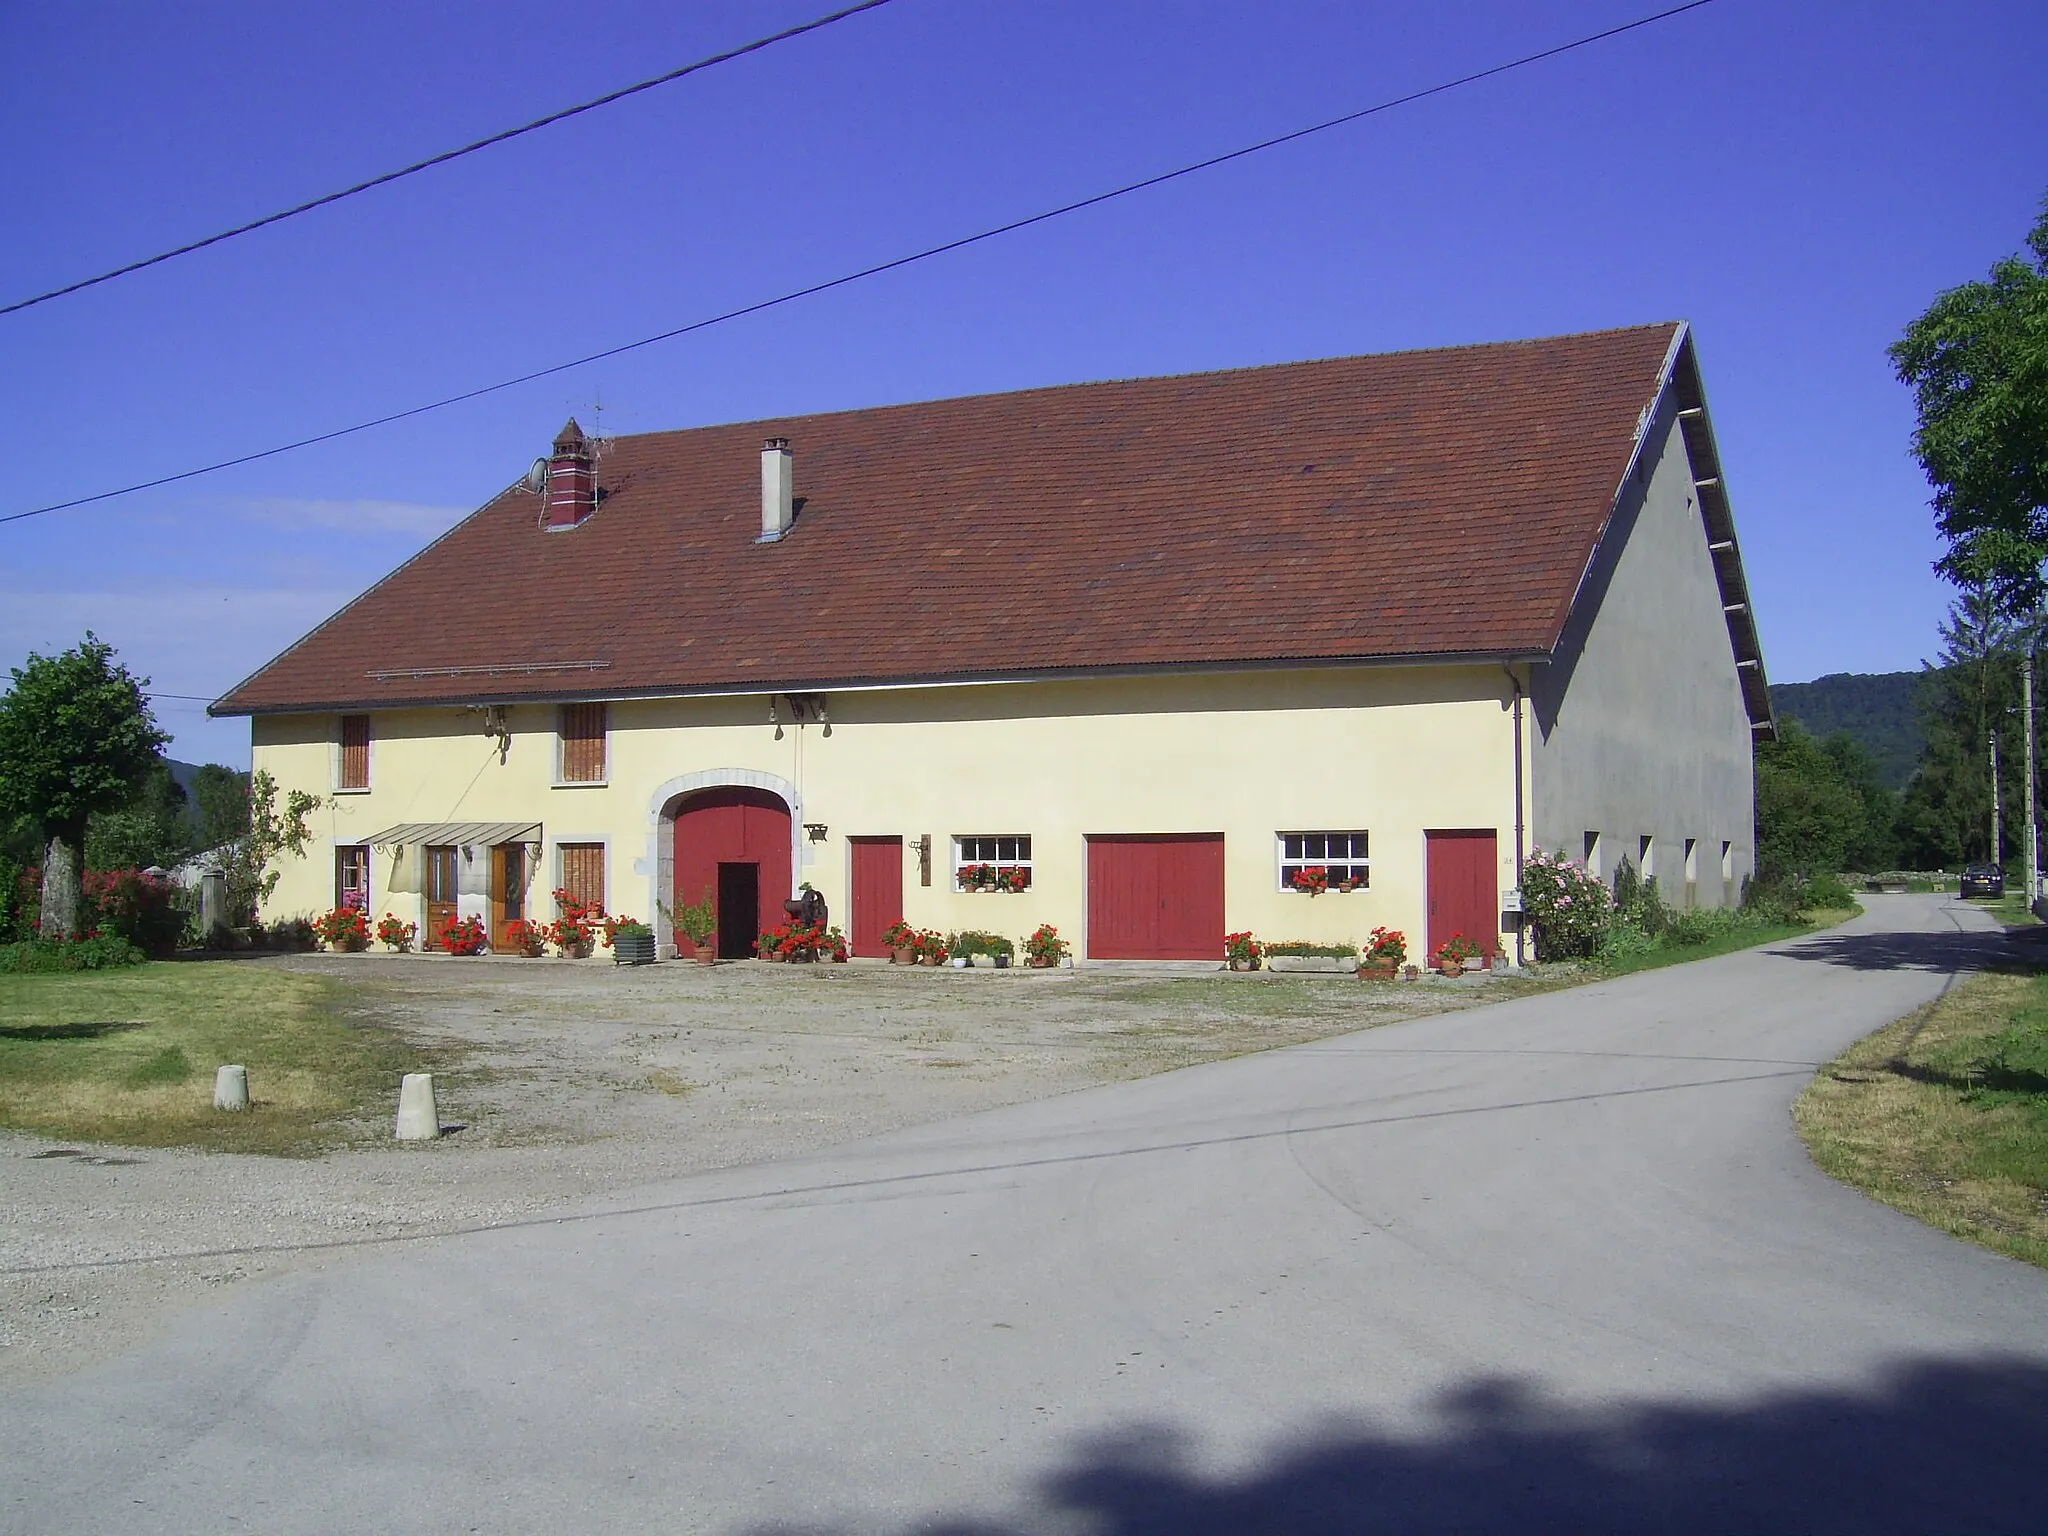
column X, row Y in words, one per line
column 828, row 684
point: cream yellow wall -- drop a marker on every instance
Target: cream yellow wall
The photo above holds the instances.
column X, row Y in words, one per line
column 1393, row 751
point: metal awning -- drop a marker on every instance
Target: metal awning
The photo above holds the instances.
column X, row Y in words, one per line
column 461, row 834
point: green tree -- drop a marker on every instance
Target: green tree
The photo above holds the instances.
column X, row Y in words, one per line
column 151, row 829
column 76, row 738
column 1873, row 844
column 220, row 803
column 1971, row 694
column 1977, row 362
column 1808, row 815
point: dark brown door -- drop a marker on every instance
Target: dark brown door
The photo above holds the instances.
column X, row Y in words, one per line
column 439, row 879
column 1464, row 888
column 1156, row 898
column 877, row 892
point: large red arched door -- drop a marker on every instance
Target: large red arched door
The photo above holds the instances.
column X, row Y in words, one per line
column 734, row 843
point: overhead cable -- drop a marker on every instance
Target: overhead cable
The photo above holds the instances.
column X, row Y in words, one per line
column 865, row 272
column 443, row 158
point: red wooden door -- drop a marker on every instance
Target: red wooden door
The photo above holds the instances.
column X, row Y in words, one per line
column 1155, row 898
column 734, row 826
column 877, row 892
column 1464, row 887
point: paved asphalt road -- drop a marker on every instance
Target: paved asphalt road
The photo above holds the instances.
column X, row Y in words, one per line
column 1553, row 1264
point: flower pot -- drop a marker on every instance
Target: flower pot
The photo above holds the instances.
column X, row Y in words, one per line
column 775, row 956
column 904, row 956
column 1376, row 973
column 1002, row 962
column 633, row 948
column 1039, row 962
column 705, row 956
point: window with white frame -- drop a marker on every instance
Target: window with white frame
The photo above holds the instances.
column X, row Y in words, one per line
column 998, row 861
column 1341, row 856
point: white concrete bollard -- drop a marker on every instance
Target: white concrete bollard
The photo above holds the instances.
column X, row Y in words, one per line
column 231, row 1088
column 419, row 1119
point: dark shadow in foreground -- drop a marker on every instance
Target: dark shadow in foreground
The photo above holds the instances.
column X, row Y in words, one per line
column 1947, row 1446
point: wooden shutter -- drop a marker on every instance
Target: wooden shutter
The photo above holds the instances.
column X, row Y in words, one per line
column 583, row 727
column 583, row 872
column 355, row 752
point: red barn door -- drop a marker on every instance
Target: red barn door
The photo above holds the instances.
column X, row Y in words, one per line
column 1464, row 887
column 1155, row 898
column 734, row 826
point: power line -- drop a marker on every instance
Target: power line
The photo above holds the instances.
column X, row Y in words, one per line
column 880, row 267
column 453, row 154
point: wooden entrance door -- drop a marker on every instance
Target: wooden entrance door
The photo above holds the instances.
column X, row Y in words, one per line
column 1156, row 898
column 1464, row 887
column 734, row 825
column 508, row 890
column 877, row 892
column 438, row 878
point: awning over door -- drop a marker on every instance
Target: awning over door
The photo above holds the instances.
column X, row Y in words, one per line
column 460, row 834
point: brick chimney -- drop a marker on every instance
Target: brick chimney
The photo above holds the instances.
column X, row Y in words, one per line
column 572, row 479
column 778, row 489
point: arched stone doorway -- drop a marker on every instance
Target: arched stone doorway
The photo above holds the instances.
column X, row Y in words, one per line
column 735, row 842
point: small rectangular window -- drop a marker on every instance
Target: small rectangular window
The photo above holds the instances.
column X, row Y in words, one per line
column 1727, row 863
column 1593, row 854
column 1646, row 857
column 992, row 861
column 1341, row 856
column 355, row 753
column 1692, row 861
column 352, row 878
column 583, row 872
column 583, row 743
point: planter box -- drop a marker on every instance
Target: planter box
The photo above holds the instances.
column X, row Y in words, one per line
column 633, row 948
column 1327, row 965
column 1376, row 973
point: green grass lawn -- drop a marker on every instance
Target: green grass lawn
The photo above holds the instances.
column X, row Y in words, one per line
column 129, row 1055
column 1945, row 1114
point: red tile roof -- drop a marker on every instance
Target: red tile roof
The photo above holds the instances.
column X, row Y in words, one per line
column 1408, row 504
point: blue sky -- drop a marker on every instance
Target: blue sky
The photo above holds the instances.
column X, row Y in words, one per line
column 1798, row 181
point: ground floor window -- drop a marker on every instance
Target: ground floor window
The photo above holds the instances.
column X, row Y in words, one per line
column 997, row 861
column 352, row 877
column 1323, row 860
column 583, row 873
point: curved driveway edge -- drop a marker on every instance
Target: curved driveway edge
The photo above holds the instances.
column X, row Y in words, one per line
column 1554, row 1263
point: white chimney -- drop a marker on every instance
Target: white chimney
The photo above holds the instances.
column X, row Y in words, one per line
column 778, row 489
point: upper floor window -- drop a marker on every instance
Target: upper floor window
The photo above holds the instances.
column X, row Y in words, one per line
column 998, row 861
column 1318, row 861
column 354, row 768
column 583, row 744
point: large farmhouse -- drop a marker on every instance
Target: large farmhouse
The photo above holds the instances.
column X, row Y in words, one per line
column 1149, row 648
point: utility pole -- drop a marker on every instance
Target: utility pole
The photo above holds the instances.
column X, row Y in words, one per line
column 1997, row 844
column 2033, row 832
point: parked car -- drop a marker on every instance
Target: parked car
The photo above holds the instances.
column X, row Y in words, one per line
column 1983, row 880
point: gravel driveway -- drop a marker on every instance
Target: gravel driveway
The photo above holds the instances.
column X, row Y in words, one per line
column 579, row 1079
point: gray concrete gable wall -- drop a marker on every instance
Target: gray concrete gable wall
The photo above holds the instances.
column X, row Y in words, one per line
column 1637, row 724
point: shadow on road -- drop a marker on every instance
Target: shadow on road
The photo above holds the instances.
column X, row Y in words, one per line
column 1932, row 1446
column 1976, row 950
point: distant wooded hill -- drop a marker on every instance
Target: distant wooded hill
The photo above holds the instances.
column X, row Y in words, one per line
column 1879, row 709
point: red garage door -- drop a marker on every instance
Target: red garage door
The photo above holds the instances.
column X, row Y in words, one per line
column 1156, row 898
